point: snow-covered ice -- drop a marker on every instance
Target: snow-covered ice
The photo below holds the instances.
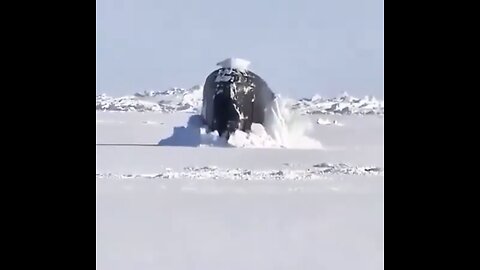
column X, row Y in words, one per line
column 171, row 196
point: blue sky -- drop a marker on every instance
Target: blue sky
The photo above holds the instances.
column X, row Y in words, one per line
column 300, row 47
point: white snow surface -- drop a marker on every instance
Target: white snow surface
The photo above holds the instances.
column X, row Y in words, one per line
column 170, row 196
column 318, row 171
column 194, row 134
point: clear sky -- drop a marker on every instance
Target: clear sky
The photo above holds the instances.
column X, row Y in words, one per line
column 300, row 47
